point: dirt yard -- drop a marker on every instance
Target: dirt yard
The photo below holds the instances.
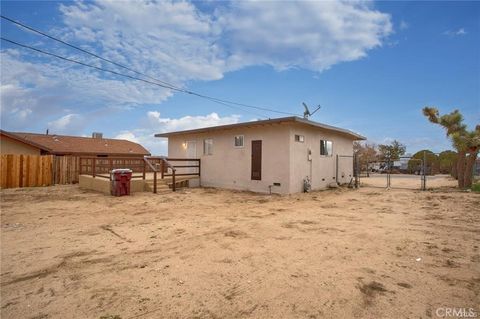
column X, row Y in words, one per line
column 206, row 253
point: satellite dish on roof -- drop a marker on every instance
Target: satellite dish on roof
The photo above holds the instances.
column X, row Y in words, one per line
column 307, row 112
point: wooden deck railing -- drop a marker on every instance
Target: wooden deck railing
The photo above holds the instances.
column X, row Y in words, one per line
column 140, row 166
column 102, row 166
column 166, row 167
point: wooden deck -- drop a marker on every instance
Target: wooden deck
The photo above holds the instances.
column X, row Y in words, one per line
column 166, row 184
column 155, row 171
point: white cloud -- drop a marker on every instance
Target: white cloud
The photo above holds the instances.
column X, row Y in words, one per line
column 37, row 91
column 67, row 124
column 154, row 123
column 178, row 42
column 188, row 122
column 404, row 25
column 308, row 34
column 172, row 40
column 453, row 33
column 127, row 135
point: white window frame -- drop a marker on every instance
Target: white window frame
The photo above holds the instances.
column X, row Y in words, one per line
column 326, row 148
column 210, row 150
column 301, row 138
column 235, row 140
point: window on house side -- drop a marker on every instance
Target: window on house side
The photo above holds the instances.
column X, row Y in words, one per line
column 299, row 138
column 208, row 146
column 326, row 148
column 239, row 141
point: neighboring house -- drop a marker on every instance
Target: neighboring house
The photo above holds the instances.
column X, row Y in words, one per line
column 13, row 144
column 43, row 144
column 268, row 155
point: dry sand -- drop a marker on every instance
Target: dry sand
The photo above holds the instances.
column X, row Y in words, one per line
column 207, row 253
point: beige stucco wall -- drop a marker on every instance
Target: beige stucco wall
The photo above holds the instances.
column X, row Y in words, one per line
column 321, row 169
column 284, row 161
column 230, row 167
column 11, row 146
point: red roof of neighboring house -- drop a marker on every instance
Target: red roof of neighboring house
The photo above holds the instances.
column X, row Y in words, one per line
column 63, row 144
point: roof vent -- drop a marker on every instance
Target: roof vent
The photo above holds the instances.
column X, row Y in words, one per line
column 97, row 135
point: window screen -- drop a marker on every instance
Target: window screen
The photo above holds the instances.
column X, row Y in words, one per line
column 326, row 148
column 208, row 146
column 239, row 141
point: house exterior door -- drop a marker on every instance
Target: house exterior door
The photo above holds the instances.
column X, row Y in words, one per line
column 257, row 160
column 191, row 153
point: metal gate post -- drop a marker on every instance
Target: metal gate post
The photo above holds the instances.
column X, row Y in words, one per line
column 388, row 173
column 424, row 184
column 355, row 172
column 357, row 160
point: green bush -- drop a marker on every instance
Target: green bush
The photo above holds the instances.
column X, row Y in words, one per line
column 476, row 187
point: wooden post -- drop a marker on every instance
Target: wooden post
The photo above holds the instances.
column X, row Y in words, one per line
column 199, row 167
column 162, row 167
column 173, row 180
column 21, row 171
column 93, row 166
column 155, row 182
column 144, row 168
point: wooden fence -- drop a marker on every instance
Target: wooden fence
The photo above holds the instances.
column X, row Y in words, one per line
column 25, row 170
column 35, row 170
column 65, row 169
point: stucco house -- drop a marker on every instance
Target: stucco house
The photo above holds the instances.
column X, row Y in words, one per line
column 54, row 144
column 274, row 155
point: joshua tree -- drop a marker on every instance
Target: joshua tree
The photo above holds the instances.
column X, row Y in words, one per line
column 470, row 142
column 464, row 141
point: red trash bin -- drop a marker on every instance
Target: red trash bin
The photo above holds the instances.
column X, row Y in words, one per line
column 120, row 181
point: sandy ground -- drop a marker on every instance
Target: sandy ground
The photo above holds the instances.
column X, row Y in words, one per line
column 207, row 253
column 408, row 181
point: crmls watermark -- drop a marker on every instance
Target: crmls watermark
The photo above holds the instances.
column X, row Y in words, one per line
column 452, row 312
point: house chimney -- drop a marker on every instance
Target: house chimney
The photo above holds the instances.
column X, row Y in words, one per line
column 97, row 135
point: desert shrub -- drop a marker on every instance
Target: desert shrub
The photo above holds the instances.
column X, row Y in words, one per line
column 476, row 187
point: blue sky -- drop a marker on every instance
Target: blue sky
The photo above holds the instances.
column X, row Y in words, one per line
column 371, row 65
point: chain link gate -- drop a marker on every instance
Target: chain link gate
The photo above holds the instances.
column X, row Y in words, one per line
column 355, row 177
column 380, row 173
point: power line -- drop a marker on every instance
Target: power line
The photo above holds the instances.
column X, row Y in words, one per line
column 110, row 71
column 83, row 50
column 164, row 83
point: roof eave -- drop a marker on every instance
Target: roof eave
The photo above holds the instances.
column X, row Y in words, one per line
column 297, row 119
